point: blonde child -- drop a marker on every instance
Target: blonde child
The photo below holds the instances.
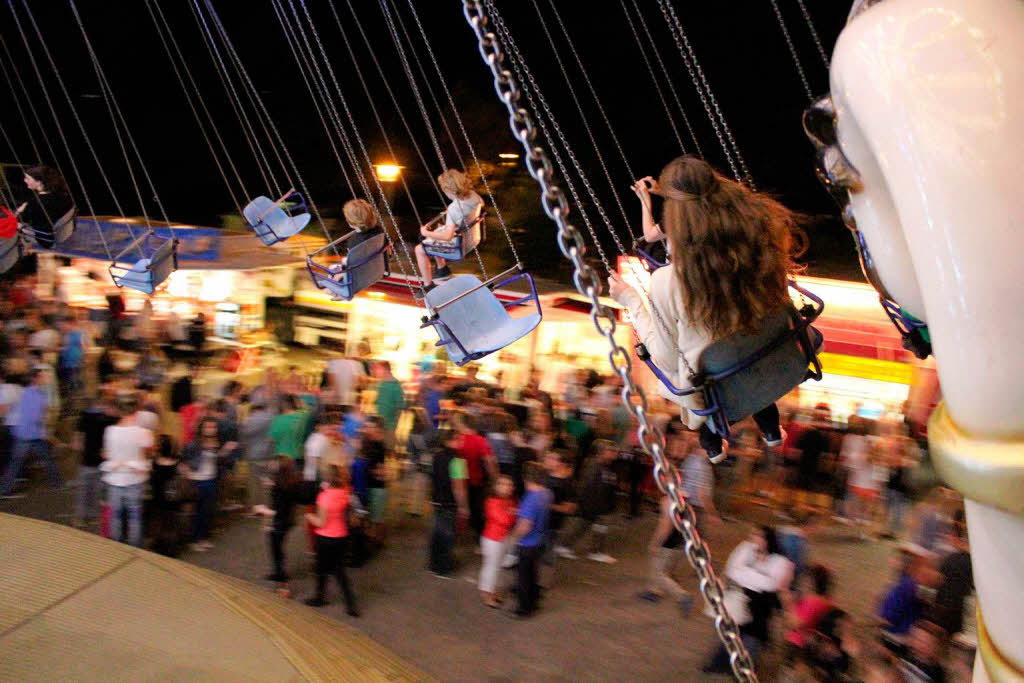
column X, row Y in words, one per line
column 465, row 208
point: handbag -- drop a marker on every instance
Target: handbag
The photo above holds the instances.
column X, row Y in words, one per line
column 736, row 605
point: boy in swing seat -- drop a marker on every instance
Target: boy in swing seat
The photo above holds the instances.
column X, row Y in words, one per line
column 465, row 208
column 361, row 217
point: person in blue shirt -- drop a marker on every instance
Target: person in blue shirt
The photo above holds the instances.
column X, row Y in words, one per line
column 30, row 433
column 530, row 531
column 900, row 607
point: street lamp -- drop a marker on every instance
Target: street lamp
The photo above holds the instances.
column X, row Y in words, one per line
column 388, row 172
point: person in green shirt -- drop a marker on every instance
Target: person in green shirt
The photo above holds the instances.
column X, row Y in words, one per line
column 390, row 400
column 287, row 430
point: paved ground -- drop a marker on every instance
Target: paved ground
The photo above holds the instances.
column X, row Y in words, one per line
column 591, row 626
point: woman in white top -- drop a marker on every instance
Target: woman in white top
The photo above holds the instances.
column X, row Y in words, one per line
column 730, row 262
column 465, row 208
column 127, row 451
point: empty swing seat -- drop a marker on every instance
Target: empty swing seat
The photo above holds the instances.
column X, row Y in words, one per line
column 470, row 320
column 743, row 373
column 150, row 271
column 365, row 264
column 271, row 222
column 462, row 245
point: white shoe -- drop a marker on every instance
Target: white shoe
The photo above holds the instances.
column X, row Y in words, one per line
column 509, row 561
column 198, row 547
column 603, row 558
column 565, row 553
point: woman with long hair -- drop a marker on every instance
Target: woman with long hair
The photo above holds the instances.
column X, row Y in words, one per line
column 731, row 258
column 331, row 522
column 50, row 200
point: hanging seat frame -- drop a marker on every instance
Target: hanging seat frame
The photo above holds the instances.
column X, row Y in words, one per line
column 342, row 276
column 457, row 249
column 162, row 262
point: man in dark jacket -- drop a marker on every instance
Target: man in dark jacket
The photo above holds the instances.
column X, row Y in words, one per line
column 449, row 498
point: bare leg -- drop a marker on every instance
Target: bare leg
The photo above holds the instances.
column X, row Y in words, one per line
column 425, row 266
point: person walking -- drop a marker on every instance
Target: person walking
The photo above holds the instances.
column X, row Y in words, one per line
column 529, row 533
column 88, row 441
column 331, row 522
column 449, row 499
column 30, row 432
column 390, row 400
column 127, row 453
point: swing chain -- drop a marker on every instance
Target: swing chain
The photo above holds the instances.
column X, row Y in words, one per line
column 792, row 50
column 503, row 29
column 585, row 278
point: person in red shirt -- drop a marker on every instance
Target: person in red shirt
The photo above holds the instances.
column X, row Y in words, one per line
column 500, row 514
column 331, row 522
column 191, row 415
column 808, row 610
column 480, row 465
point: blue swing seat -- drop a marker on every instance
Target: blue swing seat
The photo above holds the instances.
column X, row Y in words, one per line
column 272, row 222
column 743, row 373
column 62, row 229
column 365, row 264
column 150, row 271
column 467, row 238
column 470, row 320
column 11, row 251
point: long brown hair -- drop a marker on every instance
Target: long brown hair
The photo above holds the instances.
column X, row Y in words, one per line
column 730, row 247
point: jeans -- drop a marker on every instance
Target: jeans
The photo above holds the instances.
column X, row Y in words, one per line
column 88, row 493
column 659, row 574
column 527, row 586
column 126, row 499
column 207, row 493
column 896, row 504
column 442, row 541
column 477, row 494
column 22, row 449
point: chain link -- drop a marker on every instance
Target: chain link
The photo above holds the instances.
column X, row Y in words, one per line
column 570, row 242
column 814, row 33
column 792, row 50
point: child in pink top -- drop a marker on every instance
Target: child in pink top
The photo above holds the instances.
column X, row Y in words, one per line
column 811, row 607
column 500, row 517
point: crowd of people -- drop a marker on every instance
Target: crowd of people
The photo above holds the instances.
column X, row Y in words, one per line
column 531, row 480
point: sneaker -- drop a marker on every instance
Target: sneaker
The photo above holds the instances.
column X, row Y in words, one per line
column 443, row 273
column 565, row 553
column 603, row 558
column 315, row 602
column 775, row 439
column 198, row 547
column 447, row 577
column 510, row 561
column 352, row 612
column 206, row 545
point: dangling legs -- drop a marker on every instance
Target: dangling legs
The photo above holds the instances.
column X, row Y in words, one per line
column 425, row 266
column 769, row 422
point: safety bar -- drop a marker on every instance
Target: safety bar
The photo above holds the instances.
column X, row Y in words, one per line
column 479, row 286
column 135, row 244
column 278, row 203
column 310, row 263
column 652, row 263
column 335, row 243
column 532, row 296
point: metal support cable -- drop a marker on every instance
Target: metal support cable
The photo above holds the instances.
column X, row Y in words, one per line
column 669, row 78
column 707, row 96
column 32, row 107
column 167, row 42
column 814, row 33
column 792, row 50
column 585, row 278
column 465, row 135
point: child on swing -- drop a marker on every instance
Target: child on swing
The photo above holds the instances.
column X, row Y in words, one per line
column 363, row 219
column 465, row 208
column 730, row 262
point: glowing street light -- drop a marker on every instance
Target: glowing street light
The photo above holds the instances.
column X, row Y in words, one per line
column 508, row 155
column 388, row 173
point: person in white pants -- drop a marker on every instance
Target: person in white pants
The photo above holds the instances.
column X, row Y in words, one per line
column 500, row 517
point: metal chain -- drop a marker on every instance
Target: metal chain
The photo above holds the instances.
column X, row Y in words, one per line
column 669, row 78
column 586, row 280
column 700, row 82
column 558, row 157
column 792, row 50
column 500, row 23
column 814, row 33
column 465, row 137
column 362, row 144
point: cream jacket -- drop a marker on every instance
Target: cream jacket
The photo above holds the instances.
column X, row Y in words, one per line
column 667, row 297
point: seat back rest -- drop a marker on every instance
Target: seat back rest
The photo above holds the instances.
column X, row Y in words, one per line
column 369, row 264
column 164, row 261
column 10, row 252
column 471, row 317
column 766, row 380
column 271, row 222
column 64, row 226
column 473, row 235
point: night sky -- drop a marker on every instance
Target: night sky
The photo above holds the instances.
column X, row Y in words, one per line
column 740, row 47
